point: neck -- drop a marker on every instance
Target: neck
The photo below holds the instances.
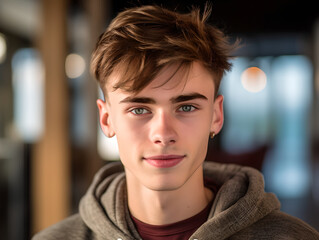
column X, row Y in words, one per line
column 165, row 207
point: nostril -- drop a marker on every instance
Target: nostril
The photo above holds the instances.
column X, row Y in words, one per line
column 165, row 142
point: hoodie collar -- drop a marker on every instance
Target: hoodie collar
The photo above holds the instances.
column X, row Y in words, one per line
column 104, row 207
column 240, row 201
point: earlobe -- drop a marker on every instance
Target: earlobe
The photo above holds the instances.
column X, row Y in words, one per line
column 218, row 115
column 104, row 118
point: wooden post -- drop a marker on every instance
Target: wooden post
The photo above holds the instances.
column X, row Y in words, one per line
column 98, row 16
column 51, row 163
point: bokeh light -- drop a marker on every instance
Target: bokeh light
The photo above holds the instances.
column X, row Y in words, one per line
column 254, row 79
column 3, row 48
column 74, row 65
column 28, row 92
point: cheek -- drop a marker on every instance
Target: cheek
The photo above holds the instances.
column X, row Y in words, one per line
column 130, row 128
column 197, row 135
column 129, row 132
column 200, row 150
column 198, row 127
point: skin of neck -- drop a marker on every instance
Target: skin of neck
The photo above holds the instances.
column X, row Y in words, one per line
column 165, row 207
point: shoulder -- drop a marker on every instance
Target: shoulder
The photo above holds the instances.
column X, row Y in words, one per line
column 71, row 228
column 280, row 225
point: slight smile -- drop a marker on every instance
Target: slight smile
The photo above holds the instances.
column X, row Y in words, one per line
column 164, row 161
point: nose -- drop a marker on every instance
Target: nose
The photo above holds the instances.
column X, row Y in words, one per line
column 163, row 130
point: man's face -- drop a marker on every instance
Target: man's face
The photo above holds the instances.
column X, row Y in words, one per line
column 163, row 131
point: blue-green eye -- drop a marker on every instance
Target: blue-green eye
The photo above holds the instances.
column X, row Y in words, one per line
column 139, row 111
column 186, row 108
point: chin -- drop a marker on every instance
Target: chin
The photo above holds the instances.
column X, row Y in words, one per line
column 163, row 188
column 166, row 184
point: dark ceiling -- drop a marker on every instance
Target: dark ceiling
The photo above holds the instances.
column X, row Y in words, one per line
column 246, row 16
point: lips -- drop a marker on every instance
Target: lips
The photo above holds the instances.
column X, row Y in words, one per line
column 164, row 161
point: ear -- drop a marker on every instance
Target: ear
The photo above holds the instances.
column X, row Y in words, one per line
column 218, row 115
column 104, row 117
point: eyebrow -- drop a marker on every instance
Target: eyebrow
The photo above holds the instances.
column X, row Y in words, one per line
column 138, row 100
column 187, row 97
column 178, row 99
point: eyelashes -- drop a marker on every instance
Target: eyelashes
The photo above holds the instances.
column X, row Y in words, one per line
column 187, row 108
column 139, row 111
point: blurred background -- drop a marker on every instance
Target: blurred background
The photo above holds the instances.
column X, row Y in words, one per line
column 50, row 142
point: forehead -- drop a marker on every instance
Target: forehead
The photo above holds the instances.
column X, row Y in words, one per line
column 172, row 77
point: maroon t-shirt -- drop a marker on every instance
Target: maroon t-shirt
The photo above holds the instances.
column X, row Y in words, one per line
column 176, row 231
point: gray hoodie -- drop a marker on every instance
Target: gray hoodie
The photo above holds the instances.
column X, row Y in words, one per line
column 241, row 210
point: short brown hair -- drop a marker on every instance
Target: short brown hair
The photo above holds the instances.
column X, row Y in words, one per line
column 143, row 40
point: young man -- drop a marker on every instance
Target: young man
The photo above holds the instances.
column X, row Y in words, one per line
column 160, row 72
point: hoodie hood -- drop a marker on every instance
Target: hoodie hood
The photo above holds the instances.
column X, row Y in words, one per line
column 240, row 202
column 104, row 207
